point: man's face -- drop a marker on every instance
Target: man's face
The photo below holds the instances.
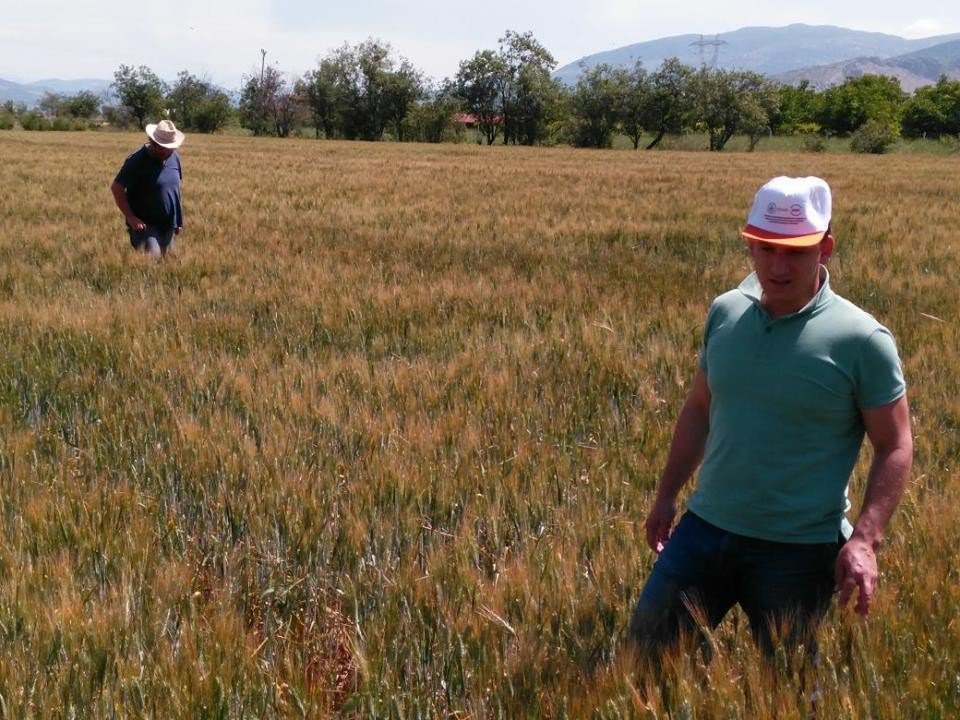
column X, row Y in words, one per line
column 160, row 153
column 789, row 276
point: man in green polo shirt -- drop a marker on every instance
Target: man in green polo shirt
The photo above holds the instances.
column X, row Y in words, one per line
column 791, row 378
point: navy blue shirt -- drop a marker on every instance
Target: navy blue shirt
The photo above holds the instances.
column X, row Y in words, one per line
column 153, row 188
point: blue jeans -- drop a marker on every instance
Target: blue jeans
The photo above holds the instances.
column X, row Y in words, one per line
column 784, row 588
column 152, row 240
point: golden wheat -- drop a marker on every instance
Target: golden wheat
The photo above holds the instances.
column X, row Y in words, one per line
column 377, row 439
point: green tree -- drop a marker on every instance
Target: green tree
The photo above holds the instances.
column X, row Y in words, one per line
column 289, row 113
column 84, row 105
column 597, row 102
column 431, row 118
column 323, row 92
column 874, row 136
column 379, row 93
column 528, row 94
column 35, row 120
column 478, row 84
column 367, row 116
column 663, row 103
column 730, row 101
column 922, row 117
column 403, row 87
column 184, row 97
column 14, row 108
column 758, row 106
column 117, row 116
column 51, row 104
column 81, row 106
column 357, row 91
column 845, row 108
column 268, row 106
column 933, row 111
column 196, row 104
column 510, row 90
column 256, row 97
column 213, row 113
column 634, row 97
column 140, row 92
column 798, row 108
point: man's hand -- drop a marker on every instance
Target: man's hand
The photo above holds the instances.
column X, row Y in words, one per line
column 857, row 569
column 660, row 523
column 176, row 230
column 888, row 428
column 686, row 451
column 136, row 223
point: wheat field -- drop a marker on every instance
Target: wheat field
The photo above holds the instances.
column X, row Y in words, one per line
column 377, row 439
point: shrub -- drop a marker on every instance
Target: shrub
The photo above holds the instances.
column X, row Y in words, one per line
column 874, row 136
column 66, row 123
column 34, row 121
column 813, row 142
column 807, row 128
column 118, row 117
column 951, row 143
column 7, row 121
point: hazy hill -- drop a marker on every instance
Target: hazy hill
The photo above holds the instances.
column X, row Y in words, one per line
column 931, row 63
column 31, row 93
column 821, row 77
column 913, row 70
column 769, row 50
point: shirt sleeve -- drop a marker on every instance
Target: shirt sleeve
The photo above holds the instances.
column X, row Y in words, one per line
column 878, row 370
column 711, row 315
column 128, row 171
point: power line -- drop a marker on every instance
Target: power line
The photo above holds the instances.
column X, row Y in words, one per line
column 702, row 44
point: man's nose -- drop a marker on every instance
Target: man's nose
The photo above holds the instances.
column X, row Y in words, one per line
column 780, row 263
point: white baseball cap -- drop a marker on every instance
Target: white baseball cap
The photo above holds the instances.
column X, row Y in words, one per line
column 790, row 211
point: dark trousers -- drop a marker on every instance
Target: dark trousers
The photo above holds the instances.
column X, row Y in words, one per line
column 784, row 588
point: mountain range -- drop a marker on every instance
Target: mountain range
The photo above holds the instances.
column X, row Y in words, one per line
column 31, row 93
column 822, row 54
column 913, row 70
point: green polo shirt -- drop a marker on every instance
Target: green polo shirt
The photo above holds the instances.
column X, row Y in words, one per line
column 785, row 412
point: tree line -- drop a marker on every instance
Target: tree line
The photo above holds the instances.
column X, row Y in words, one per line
column 508, row 95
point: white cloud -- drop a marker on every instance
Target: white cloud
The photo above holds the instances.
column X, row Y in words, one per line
column 47, row 39
column 91, row 38
column 924, row 27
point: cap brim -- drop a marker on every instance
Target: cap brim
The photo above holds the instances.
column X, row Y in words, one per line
column 751, row 232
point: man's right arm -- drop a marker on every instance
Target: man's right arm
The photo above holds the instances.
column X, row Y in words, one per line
column 120, row 198
column 686, row 452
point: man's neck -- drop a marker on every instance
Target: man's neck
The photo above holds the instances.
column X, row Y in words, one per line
column 152, row 153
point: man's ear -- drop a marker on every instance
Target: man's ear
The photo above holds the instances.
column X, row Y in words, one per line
column 826, row 246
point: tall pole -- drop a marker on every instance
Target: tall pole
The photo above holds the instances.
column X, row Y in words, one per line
column 262, row 91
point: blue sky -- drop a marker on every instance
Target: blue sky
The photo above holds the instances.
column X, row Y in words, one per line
column 222, row 40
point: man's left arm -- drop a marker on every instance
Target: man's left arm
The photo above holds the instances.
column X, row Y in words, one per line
column 888, row 428
column 179, row 226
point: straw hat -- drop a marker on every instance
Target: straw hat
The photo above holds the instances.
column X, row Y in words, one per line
column 165, row 134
